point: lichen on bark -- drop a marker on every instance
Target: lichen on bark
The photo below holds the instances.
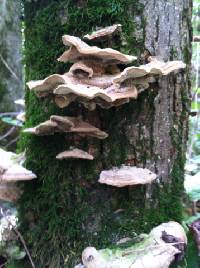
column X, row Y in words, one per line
column 66, row 209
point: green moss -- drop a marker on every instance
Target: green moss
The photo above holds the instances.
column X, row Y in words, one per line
column 65, row 209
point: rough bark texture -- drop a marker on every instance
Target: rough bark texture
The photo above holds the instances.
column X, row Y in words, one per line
column 11, row 84
column 67, row 209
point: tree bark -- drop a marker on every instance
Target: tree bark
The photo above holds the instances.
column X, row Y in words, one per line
column 11, row 84
column 66, row 209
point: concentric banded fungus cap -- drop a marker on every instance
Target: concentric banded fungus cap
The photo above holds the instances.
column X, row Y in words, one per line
column 80, row 50
column 67, row 124
column 155, row 67
column 76, row 154
column 126, row 176
column 9, row 191
column 72, row 88
column 104, row 33
column 47, row 85
column 92, row 92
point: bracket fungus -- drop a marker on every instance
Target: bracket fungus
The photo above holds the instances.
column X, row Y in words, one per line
column 76, row 154
column 12, row 170
column 98, row 90
column 80, row 50
column 95, row 79
column 152, row 251
column 66, row 124
column 88, row 92
column 104, row 33
column 155, row 67
column 126, row 176
column 47, row 85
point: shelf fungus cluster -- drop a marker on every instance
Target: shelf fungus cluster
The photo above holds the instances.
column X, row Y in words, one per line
column 95, row 78
column 159, row 249
column 11, row 172
column 66, row 124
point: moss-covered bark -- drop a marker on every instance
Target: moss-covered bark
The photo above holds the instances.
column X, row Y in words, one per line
column 66, row 209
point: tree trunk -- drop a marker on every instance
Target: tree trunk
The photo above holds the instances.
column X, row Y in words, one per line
column 66, row 209
column 11, row 84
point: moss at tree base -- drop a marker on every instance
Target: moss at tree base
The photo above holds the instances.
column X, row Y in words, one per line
column 65, row 209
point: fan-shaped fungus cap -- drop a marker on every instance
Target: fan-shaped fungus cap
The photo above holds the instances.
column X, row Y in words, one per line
column 80, row 50
column 155, row 67
column 67, row 124
column 72, row 88
column 91, row 92
column 47, row 85
column 46, row 128
column 104, row 33
column 76, row 154
column 126, row 176
column 17, row 173
column 63, row 123
column 11, row 169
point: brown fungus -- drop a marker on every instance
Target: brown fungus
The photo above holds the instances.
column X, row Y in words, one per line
column 127, row 176
column 155, row 67
column 80, row 68
column 11, row 168
column 101, row 88
column 67, row 124
column 79, row 50
column 104, row 33
column 47, row 85
column 75, row 154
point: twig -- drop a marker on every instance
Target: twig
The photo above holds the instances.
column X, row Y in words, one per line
column 20, row 237
column 8, row 133
column 9, row 69
column 195, row 93
column 11, row 142
column 24, row 244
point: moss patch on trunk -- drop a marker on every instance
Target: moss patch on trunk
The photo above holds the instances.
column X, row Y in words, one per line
column 65, row 209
